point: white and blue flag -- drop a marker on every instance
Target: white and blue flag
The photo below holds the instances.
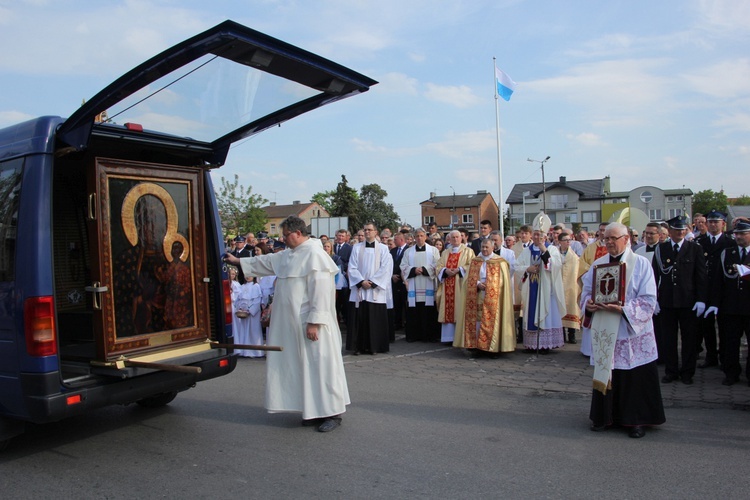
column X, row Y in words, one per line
column 505, row 85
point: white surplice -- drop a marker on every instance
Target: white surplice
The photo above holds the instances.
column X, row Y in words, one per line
column 373, row 264
column 636, row 343
column 307, row 376
column 248, row 330
column 421, row 288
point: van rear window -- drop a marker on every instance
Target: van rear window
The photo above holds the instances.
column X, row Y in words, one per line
column 10, row 188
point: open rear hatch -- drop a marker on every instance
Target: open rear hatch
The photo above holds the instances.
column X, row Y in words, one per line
column 147, row 295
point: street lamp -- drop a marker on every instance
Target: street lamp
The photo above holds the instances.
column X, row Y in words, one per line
column 544, row 186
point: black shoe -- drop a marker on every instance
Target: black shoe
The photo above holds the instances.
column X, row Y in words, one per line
column 730, row 380
column 329, row 424
column 356, row 353
column 598, row 428
column 687, row 380
column 708, row 363
column 666, row 379
column 311, row 421
column 637, row 432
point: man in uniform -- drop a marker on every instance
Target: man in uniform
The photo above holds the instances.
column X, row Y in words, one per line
column 241, row 251
column 730, row 300
column 682, row 288
column 713, row 242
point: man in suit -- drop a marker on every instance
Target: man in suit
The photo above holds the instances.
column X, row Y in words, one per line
column 241, row 251
column 713, row 242
column 398, row 288
column 485, row 228
column 730, row 300
column 682, row 288
column 343, row 249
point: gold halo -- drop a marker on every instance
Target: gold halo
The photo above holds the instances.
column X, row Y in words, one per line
column 128, row 218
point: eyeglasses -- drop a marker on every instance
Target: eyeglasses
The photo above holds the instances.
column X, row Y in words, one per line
column 561, row 240
column 612, row 239
column 650, row 233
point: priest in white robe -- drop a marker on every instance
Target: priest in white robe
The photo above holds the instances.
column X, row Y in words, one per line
column 418, row 267
column 543, row 296
column 307, row 376
column 370, row 272
column 626, row 378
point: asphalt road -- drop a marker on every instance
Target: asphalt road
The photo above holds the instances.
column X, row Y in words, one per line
column 426, row 422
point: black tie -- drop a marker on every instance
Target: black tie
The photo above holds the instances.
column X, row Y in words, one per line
column 676, row 248
column 713, row 240
column 338, row 249
column 743, row 254
column 370, row 245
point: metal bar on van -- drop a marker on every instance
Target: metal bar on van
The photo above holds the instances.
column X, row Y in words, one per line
column 216, row 345
column 164, row 367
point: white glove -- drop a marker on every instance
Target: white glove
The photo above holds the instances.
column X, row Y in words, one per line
column 699, row 307
column 712, row 309
column 657, row 309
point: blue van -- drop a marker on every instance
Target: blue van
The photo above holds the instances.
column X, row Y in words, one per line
column 112, row 288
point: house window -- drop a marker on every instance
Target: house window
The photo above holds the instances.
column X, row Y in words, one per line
column 571, row 218
column 559, row 200
column 674, row 212
column 646, row 197
column 671, row 199
column 273, row 228
column 655, row 214
column 429, row 219
column 468, row 218
column 589, row 217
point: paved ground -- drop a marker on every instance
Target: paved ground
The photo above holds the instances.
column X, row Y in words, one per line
column 564, row 370
column 426, row 421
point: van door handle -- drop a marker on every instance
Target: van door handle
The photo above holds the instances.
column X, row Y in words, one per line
column 97, row 289
column 92, row 206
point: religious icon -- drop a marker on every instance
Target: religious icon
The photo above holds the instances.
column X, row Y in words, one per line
column 609, row 283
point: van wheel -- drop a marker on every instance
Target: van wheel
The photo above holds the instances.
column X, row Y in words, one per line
column 157, row 400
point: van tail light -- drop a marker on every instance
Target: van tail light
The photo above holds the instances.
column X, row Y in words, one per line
column 227, row 302
column 39, row 326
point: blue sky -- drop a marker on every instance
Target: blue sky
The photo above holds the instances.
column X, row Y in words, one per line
column 650, row 93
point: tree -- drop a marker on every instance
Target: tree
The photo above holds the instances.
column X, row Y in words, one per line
column 375, row 209
column 324, row 199
column 240, row 209
column 344, row 202
column 741, row 201
column 705, row 201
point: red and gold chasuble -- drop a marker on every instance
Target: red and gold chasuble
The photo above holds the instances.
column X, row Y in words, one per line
column 485, row 310
column 450, row 288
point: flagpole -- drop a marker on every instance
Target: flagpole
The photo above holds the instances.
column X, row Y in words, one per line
column 499, row 156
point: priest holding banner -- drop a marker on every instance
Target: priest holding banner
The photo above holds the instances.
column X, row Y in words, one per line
column 626, row 379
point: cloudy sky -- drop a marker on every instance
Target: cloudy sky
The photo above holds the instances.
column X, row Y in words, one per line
column 650, row 93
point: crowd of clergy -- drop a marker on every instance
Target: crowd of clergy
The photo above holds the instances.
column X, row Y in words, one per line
column 684, row 290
